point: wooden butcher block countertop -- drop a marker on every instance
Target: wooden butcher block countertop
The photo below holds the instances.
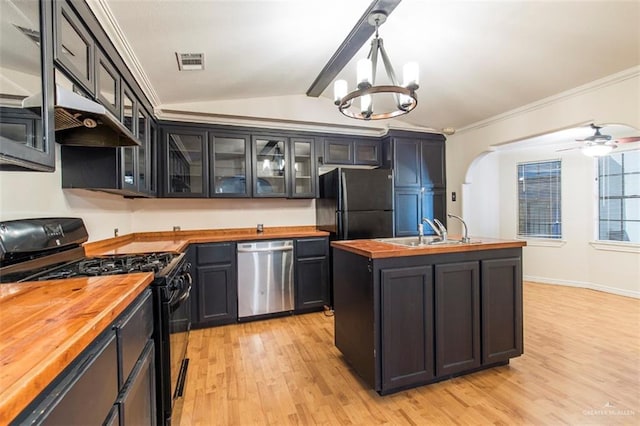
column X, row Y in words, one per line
column 149, row 242
column 45, row 325
column 375, row 249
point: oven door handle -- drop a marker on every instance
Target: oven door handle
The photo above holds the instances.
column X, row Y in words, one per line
column 180, row 296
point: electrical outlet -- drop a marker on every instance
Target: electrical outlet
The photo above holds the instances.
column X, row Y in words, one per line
column 453, row 196
column 115, row 232
column 176, row 228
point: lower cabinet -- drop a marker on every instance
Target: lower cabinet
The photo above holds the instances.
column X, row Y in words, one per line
column 408, row 321
column 90, row 391
column 215, row 295
column 501, row 295
column 407, row 326
column 312, row 289
column 457, row 317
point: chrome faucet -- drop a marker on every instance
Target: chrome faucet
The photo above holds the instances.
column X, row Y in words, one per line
column 443, row 230
column 466, row 238
column 437, row 227
column 420, row 233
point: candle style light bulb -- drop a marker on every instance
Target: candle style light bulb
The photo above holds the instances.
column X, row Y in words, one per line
column 340, row 90
column 411, row 75
column 364, row 73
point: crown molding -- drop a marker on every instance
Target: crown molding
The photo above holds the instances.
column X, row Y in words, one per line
column 110, row 26
column 585, row 88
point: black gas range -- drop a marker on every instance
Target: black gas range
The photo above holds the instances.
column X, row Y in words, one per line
column 51, row 249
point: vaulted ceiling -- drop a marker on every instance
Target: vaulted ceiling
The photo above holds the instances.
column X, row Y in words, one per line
column 477, row 58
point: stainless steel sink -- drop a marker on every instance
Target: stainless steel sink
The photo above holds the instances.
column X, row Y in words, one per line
column 426, row 241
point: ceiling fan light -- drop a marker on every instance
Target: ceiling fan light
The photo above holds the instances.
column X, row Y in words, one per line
column 364, row 73
column 598, row 150
column 340, row 90
column 411, row 75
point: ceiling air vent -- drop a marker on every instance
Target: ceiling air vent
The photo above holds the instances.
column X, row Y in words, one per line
column 190, row 61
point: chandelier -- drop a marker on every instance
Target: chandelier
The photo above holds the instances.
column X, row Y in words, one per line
column 404, row 98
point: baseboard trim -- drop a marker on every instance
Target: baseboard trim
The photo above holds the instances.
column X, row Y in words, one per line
column 581, row 284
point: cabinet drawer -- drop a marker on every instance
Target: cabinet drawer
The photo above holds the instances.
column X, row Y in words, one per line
column 132, row 333
column 84, row 393
column 311, row 247
column 215, row 253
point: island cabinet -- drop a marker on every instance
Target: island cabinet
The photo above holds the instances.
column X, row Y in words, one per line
column 110, row 382
column 311, row 274
column 215, row 284
column 403, row 322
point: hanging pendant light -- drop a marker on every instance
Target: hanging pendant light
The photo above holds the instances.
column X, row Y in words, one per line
column 404, row 97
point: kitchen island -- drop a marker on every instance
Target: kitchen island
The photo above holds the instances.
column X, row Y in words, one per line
column 409, row 316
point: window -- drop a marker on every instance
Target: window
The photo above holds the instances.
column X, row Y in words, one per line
column 539, row 200
column 619, row 197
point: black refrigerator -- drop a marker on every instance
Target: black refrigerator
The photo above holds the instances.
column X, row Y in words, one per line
column 356, row 203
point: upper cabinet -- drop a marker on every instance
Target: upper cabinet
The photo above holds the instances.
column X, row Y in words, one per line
column 270, row 166
column 304, row 174
column 74, row 46
column 185, row 163
column 107, row 84
column 351, row 151
column 230, row 164
column 26, row 133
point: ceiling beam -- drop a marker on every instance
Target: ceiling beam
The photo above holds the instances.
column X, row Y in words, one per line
column 350, row 46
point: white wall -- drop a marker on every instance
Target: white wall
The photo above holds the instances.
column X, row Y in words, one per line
column 163, row 214
column 474, row 173
column 34, row 194
column 37, row 194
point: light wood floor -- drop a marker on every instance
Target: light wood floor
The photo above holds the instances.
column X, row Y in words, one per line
column 581, row 366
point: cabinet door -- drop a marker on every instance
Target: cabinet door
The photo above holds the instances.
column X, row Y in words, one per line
column 270, row 166
column 407, row 326
column 312, row 283
column 26, row 134
column 74, row 46
column 129, row 153
column 152, row 156
column 457, row 316
column 407, row 162
column 407, row 211
column 501, row 309
column 185, row 156
column 434, row 206
column 230, row 165
column 304, row 172
column 432, row 168
column 338, row 151
column 143, row 151
column 217, row 295
column 137, row 400
column 108, row 90
column 367, row 152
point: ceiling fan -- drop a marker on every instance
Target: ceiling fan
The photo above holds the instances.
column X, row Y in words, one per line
column 600, row 144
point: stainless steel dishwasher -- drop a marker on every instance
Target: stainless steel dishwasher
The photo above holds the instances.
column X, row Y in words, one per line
column 265, row 277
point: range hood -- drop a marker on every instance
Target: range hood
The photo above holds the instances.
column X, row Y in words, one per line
column 83, row 122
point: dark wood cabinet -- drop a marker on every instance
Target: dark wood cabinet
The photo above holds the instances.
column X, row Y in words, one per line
column 108, row 84
column 418, row 162
column 457, row 317
column 112, row 381
column 186, row 163
column 230, row 165
column 215, row 299
column 26, row 133
column 303, row 169
column 312, row 291
column 351, row 151
column 74, row 46
column 407, row 323
column 501, row 296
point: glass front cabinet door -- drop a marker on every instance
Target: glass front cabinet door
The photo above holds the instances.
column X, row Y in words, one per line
column 270, row 166
column 26, row 86
column 303, row 172
column 186, row 163
column 230, row 165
